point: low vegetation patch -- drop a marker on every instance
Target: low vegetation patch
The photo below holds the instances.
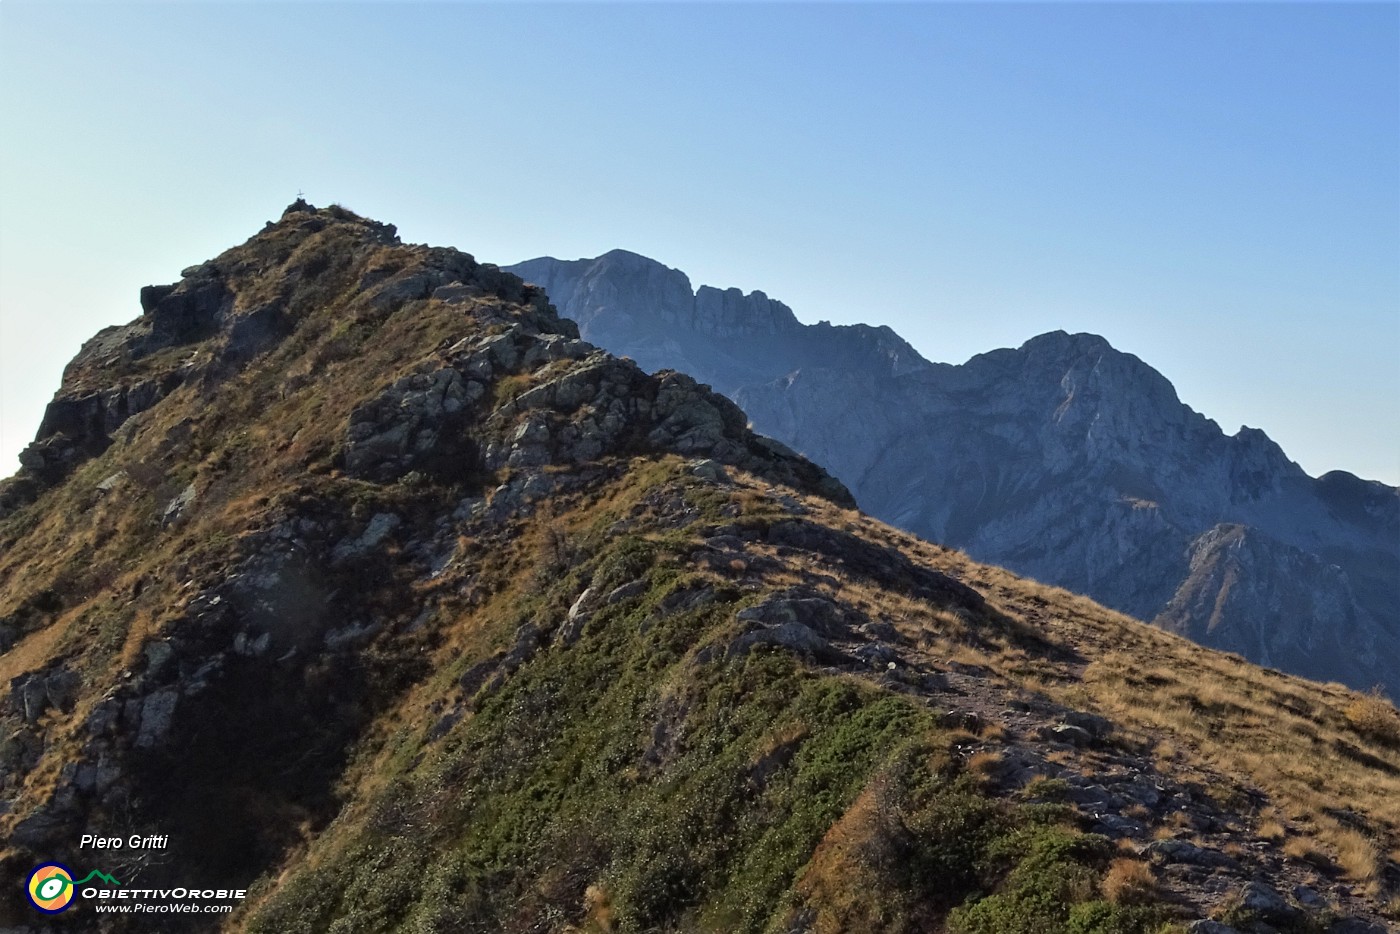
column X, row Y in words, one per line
column 638, row 780
column 1374, row 717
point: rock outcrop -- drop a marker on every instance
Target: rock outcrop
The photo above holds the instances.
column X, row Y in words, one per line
column 1064, row 459
column 326, row 314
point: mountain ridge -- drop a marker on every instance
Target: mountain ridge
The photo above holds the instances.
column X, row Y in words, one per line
column 353, row 573
column 1001, row 454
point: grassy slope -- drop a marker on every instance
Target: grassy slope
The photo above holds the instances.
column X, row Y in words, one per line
column 641, row 780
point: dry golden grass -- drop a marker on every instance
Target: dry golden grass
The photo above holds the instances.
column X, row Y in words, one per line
column 986, row 766
column 1361, row 858
column 1129, row 882
column 1307, row 746
column 33, row 650
column 1180, row 820
column 1302, row 849
column 598, row 910
column 838, row 882
column 1374, row 717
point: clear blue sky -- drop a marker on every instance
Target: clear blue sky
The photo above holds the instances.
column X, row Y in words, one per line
column 1215, row 188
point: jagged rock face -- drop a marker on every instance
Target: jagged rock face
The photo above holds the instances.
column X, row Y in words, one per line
column 623, row 293
column 1309, row 612
column 422, row 420
column 1063, row 459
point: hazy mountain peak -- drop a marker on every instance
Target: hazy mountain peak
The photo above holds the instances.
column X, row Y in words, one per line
column 1065, row 458
column 1060, row 341
column 1255, row 450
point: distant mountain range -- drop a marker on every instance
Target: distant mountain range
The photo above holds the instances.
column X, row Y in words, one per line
column 1064, row 459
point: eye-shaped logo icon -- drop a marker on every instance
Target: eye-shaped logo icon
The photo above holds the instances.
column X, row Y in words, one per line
column 50, row 887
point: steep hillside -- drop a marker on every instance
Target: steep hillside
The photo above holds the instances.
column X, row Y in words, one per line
column 1064, row 460
column 350, row 574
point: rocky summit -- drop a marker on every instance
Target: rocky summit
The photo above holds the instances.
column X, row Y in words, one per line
column 348, row 578
column 1064, row 460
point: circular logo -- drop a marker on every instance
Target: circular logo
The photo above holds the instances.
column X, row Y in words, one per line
column 50, row 887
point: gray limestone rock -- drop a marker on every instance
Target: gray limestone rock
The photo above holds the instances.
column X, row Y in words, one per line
column 580, row 612
column 1115, row 825
column 61, row 687
column 35, row 692
column 157, row 714
column 380, row 527
column 1097, row 727
column 794, row 636
column 1066, row 733
column 817, row 613
column 177, row 508
column 1183, row 851
column 566, row 403
column 1263, row 901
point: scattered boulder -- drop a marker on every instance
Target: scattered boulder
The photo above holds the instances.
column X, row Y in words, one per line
column 578, row 616
column 1263, row 902
column 175, row 510
column 111, row 482
column 1140, row 791
column 61, row 687
column 1116, row 825
column 346, row 636
column 33, row 693
column 380, row 527
column 455, row 293
column 816, row 612
column 105, row 716
column 882, row 631
column 1088, row 796
column 1067, row 733
column 710, row 470
column 28, row 698
column 1100, row 728
column 627, row 591
column 1209, row 927
column 794, row 636
column 1183, row 851
column 877, row 655
column 1309, row 898
column 1357, row 926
